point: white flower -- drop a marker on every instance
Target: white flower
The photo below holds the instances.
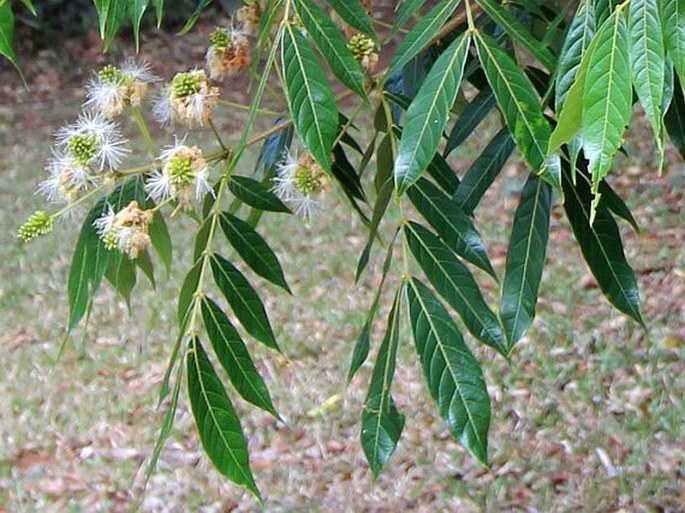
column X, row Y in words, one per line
column 183, row 175
column 188, row 99
column 298, row 180
column 66, row 179
column 126, row 230
column 93, row 141
column 113, row 89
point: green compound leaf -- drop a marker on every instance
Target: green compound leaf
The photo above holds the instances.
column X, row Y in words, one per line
column 647, row 59
column 451, row 223
column 421, row 34
column 254, row 250
column 234, row 357
column 256, row 194
column 454, row 377
column 483, row 171
column 244, row 301
column 309, row 95
column 519, row 104
column 454, row 282
column 353, row 13
column 607, row 99
column 382, row 424
column 428, row 113
column 216, row 420
column 602, row 248
column 333, row 46
column 518, row 32
column 525, row 259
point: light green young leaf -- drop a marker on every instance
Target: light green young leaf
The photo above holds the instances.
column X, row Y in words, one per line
column 454, row 282
column 519, row 104
column 309, row 95
column 428, row 113
column 518, row 32
column 673, row 22
column 217, row 423
column 235, row 358
column 525, row 259
column 421, row 34
column 353, row 13
column 607, row 99
column 333, row 46
column 647, row 62
column 382, row 424
column 454, row 377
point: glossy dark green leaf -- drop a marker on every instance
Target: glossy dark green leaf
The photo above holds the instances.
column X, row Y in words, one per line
column 382, row 424
column 244, row 301
column 121, row 274
column 7, row 33
column 602, row 248
column 231, row 352
column 256, row 194
column 161, row 241
column 616, row 205
column 518, row 31
column 309, row 95
column 454, row 377
column 483, row 171
column 519, row 104
column 254, row 250
column 607, row 98
column 428, row 113
column 332, row 44
column 454, row 282
column 443, row 174
column 274, row 148
column 353, row 13
column 217, row 423
column 469, row 119
column 421, row 34
column 675, row 118
column 451, row 223
column 363, row 344
column 525, row 259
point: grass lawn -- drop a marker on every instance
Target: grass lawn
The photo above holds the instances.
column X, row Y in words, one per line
column 588, row 416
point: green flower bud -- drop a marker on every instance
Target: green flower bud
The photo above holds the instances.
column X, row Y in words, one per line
column 40, row 223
